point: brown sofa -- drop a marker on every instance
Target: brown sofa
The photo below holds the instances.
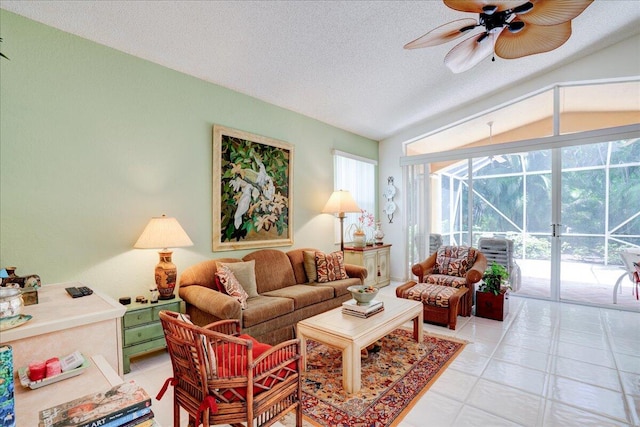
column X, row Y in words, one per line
column 285, row 295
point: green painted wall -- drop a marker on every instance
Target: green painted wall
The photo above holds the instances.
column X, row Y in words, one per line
column 94, row 142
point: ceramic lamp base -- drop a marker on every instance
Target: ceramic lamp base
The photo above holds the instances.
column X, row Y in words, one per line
column 166, row 274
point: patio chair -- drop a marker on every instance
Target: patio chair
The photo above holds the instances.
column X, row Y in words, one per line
column 222, row 377
column 456, row 266
column 629, row 256
column 500, row 250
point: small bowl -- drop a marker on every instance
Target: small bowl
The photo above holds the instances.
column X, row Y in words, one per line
column 11, row 302
column 363, row 294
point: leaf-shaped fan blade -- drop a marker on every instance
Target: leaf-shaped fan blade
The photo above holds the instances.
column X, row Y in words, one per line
column 532, row 39
column 468, row 53
column 554, row 12
column 476, row 6
column 443, row 33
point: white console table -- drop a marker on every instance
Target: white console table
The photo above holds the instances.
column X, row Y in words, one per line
column 61, row 325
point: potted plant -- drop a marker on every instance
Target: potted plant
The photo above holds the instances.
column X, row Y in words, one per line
column 492, row 299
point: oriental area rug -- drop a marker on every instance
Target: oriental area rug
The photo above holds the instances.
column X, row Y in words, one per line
column 393, row 380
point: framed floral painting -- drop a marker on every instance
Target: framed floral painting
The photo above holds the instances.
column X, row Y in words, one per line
column 252, row 191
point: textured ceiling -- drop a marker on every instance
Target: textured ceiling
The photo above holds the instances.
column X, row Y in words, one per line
column 340, row 62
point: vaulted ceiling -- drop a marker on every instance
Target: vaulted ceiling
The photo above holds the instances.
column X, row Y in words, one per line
column 341, row 62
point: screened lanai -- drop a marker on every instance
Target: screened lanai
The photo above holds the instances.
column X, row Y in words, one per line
column 569, row 202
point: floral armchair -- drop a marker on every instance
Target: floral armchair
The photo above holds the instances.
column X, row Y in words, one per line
column 455, row 266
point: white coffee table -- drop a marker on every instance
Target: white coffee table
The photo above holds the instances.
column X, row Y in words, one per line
column 350, row 333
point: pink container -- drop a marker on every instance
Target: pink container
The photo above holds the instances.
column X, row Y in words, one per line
column 53, row 367
column 37, row 370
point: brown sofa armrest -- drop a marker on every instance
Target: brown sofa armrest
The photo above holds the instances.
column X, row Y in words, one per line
column 474, row 275
column 425, row 267
column 356, row 271
column 213, row 302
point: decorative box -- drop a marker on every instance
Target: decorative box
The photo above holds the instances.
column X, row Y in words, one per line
column 29, row 285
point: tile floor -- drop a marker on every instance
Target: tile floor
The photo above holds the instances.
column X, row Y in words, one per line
column 547, row 364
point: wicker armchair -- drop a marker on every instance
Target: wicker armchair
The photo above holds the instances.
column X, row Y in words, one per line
column 455, row 266
column 222, row 377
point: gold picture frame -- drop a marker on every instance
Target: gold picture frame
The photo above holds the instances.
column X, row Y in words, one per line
column 252, row 191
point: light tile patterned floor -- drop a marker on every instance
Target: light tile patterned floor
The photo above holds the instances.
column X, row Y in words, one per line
column 547, row 364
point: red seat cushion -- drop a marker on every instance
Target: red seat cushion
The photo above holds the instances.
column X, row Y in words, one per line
column 231, row 362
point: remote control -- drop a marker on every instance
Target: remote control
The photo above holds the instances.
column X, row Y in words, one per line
column 85, row 291
column 74, row 292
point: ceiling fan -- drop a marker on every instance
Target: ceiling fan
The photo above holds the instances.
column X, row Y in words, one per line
column 510, row 29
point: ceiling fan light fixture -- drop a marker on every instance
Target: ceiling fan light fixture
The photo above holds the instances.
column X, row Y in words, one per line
column 489, row 9
column 523, row 8
column 515, row 26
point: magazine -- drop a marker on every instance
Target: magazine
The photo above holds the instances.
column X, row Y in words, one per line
column 97, row 409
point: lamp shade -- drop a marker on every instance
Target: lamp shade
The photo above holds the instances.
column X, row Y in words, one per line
column 163, row 232
column 341, row 201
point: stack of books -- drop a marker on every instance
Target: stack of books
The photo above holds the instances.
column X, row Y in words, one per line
column 352, row 308
column 7, row 400
column 125, row 405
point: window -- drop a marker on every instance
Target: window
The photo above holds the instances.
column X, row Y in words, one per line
column 357, row 175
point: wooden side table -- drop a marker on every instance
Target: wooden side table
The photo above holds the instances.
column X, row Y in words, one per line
column 141, row 328
column 375, row 259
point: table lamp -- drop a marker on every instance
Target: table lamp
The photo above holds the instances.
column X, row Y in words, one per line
column 340, row 203
column 161, row 233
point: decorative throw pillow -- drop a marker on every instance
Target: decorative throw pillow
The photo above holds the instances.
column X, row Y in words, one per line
column 231, row 284
column 218, row 286
column 209, row 354
column 310, row 265
column 454, row 260
column 245, row 272
column 330, row 267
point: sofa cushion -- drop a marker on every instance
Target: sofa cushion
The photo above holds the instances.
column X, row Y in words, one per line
column 303, row 295
column 430, row 294
column 454, row 260
column 339, row 287
column 310, row 265
column 296, row 257
column 330, row 267
column 446, row 280
column 246, row 274
column 231, row 284
column 262, row 308
column 273, row 269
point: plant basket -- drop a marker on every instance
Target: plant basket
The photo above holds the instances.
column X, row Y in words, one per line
column 492, row 306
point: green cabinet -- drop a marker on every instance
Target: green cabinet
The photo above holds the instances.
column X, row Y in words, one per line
column 141, row 328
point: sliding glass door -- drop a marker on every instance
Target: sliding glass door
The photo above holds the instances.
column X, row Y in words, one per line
column 600, row 211
column 512, row 199
column 568, row 210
